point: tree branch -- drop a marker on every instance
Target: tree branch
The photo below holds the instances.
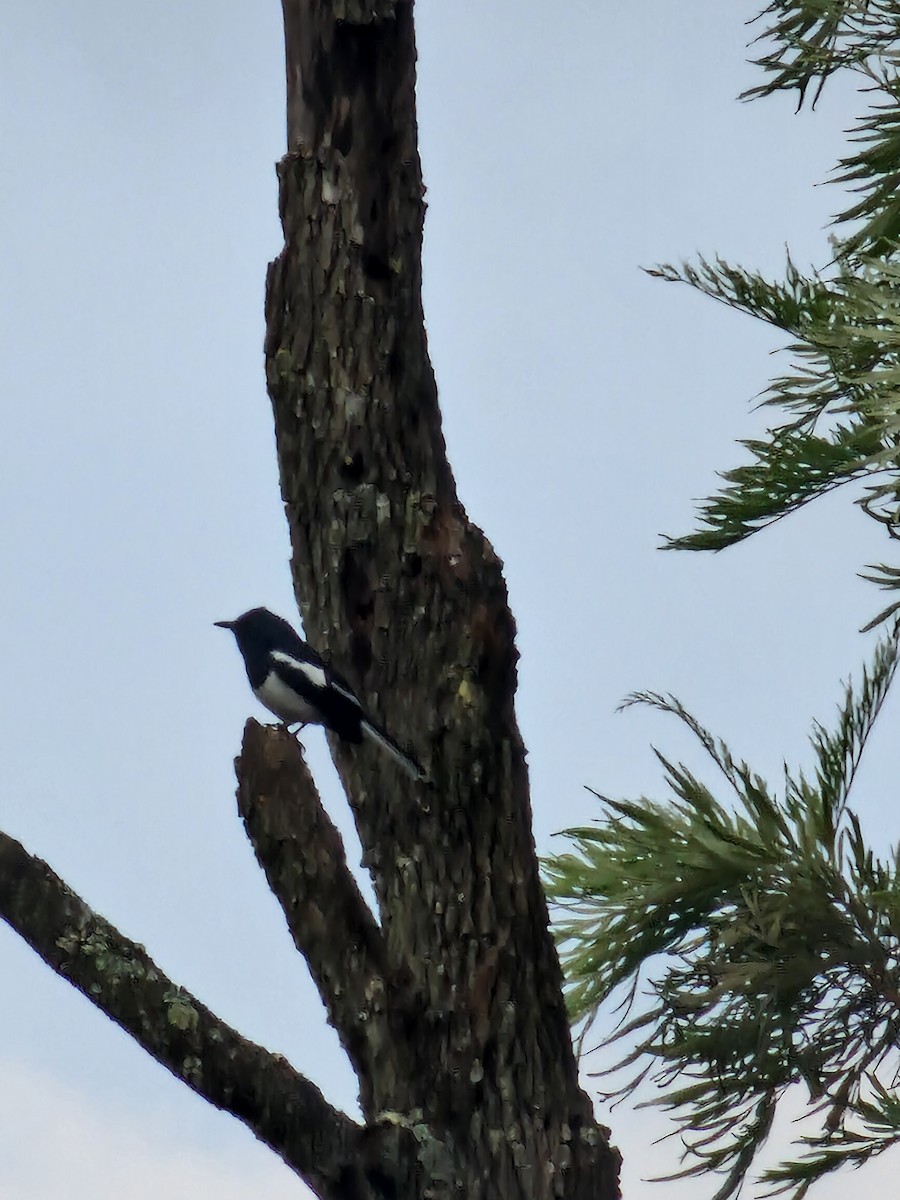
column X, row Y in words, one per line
column 302, row 854
column 282, row 1108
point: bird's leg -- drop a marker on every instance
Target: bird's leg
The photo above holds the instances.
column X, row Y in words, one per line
column 301, row 725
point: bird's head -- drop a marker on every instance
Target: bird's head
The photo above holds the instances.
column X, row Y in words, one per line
column 258, row 626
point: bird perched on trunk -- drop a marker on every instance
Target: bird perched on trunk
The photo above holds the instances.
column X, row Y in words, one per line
column 300, row 688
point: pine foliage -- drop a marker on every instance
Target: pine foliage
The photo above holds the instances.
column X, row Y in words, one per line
column 837, row 408
column 769, row 936
column 753, row 933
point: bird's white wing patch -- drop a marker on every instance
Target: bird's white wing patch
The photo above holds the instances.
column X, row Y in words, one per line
column 315, row 675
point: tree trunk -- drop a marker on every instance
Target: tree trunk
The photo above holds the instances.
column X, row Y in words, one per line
column 448, row 1001
column 406, row 593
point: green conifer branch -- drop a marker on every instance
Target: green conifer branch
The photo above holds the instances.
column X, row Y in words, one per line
column 758, row 941
column 767, row 935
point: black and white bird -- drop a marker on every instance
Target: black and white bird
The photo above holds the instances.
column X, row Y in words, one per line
column 300, row 688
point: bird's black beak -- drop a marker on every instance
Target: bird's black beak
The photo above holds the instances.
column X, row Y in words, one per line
column 224, row 624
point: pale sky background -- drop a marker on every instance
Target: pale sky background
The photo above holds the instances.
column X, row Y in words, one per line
column 585, row 407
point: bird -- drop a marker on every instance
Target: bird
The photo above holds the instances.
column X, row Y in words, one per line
column 296, row 684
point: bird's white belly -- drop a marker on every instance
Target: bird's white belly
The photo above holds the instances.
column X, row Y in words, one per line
column 284, row 701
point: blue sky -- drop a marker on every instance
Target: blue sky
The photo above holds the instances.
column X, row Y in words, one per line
column 586, row 407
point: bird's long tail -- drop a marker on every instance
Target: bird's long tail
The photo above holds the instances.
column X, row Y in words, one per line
column 377, row 735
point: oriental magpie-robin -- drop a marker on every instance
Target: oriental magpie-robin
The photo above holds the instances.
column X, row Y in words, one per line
column 300, row 688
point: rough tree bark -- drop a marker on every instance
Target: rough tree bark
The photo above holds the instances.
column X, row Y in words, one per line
column 448, row 1002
